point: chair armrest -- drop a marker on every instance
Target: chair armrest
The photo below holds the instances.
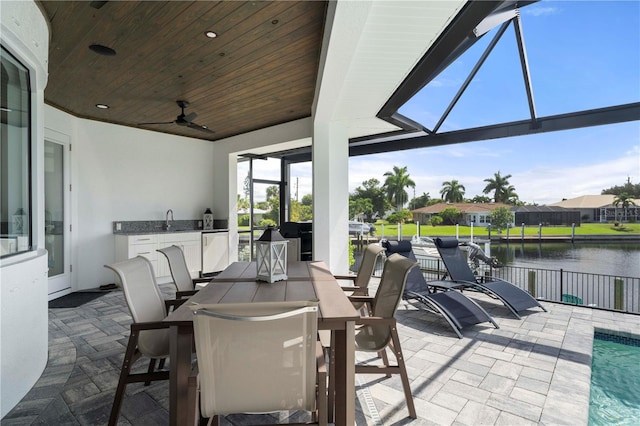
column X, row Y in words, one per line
column 375, row 321
column 185, row 293
column 350, row 288
column 201, row 280
column 345, row 277
column 320, row 360
column 363, row 299
column 173, row 303
column 150, row 325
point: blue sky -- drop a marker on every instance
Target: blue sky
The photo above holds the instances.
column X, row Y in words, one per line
column 582, row 55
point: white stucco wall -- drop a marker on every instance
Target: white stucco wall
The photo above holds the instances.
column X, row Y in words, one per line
column 23, row 285
column 119, row 173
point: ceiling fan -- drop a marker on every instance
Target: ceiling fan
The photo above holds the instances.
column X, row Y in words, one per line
column 184, row 120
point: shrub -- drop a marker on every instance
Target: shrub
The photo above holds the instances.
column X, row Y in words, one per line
column 435, row 220
column 267, row 222
column 243, row 220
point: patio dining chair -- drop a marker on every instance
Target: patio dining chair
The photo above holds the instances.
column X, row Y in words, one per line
column 185, row 285
column 377, row 332
column 149, row 335
column 259, row 357
column 365, row 271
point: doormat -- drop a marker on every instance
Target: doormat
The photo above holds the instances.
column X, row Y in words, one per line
column 74, row 300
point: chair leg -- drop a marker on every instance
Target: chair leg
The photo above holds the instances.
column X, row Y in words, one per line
column 129, row 357
column 321, row 415
column 152, row 366
column 385, row 359
column 161, row 365
column 193, row 393
column 331, row 395
column 397, row 352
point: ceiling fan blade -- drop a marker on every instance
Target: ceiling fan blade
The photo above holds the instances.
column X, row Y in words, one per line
column 160, row 122
column 190, row 117
column 200, row 127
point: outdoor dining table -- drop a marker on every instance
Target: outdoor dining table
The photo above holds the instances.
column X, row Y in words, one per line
column 237, row 284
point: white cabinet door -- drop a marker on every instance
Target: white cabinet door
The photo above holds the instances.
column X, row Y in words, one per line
column 189, row 243
column 192, row 252
column 215, row 251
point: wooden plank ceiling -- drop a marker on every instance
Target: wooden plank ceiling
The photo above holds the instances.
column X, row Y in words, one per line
column 259, row 71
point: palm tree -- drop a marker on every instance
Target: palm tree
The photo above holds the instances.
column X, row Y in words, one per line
column 500, row 186
column 452, row 191
column 394, row 185
column 510, row 195
column 623, row 200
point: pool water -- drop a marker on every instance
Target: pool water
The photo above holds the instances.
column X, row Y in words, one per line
column 615, row 380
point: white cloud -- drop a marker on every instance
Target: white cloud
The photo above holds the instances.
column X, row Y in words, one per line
column 540, row 10
column 550, row 185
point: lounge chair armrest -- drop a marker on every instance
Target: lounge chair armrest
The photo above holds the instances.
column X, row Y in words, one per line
column 201, row 280
column 150, row 325
column 448, row 284
column 483, row 278
column 350, row 288
column 375, row 321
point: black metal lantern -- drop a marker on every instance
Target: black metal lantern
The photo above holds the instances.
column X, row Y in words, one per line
column 207, row 220
column 271, row 256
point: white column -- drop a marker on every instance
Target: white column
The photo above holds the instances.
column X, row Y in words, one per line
column 331, row 195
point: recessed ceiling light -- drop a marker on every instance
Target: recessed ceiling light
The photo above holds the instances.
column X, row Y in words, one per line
column 102, row 106
column 210, row 34
column 102, row 50
column 275, row 22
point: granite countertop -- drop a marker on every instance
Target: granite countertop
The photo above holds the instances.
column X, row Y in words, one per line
column 145, row 227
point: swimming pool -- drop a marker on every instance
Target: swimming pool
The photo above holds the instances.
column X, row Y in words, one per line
column 615, row 380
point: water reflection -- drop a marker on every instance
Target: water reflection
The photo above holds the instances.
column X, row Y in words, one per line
column 594, row 258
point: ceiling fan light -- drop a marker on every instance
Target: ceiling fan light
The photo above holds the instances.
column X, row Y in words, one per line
column 102, row 50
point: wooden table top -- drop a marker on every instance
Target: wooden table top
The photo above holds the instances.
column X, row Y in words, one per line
column 306, row 281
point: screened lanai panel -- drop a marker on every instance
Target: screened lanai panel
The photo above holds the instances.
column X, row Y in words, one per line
column 427, row 106
column 580, row 55
column 497, row 93
column 577, row 49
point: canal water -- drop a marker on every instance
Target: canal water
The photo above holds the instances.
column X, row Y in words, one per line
column 594, row 258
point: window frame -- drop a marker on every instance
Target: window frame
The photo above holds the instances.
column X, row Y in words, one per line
column 29, row 166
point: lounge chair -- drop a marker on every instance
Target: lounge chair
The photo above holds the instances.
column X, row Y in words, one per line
column 513, row 297
column 456, row 308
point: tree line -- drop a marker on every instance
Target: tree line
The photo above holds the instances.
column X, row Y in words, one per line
column 375, row 200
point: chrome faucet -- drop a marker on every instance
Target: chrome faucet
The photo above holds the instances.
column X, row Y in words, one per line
column 167, row 224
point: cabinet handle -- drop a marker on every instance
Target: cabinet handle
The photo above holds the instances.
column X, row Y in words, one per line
column 144, row 252
column 143, row 239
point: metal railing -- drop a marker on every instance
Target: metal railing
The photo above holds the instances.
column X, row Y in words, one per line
column 600, row 291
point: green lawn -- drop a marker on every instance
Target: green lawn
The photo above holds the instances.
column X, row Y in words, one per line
column 409, row 229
